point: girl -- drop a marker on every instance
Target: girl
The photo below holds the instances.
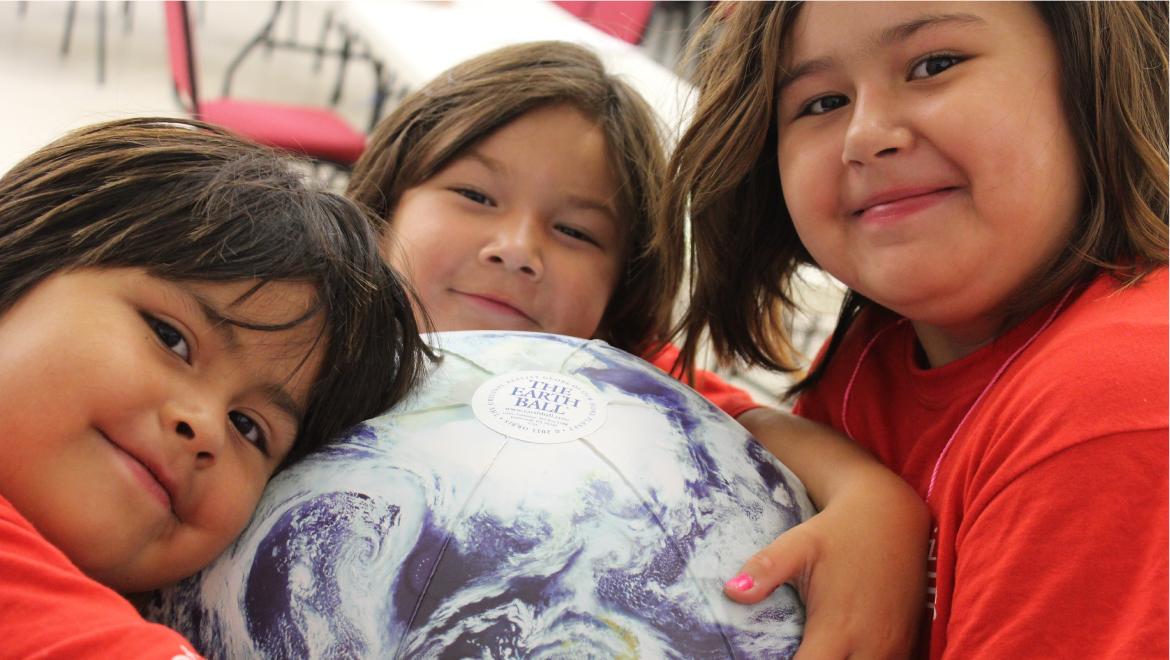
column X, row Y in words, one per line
column 990, row 181
column 521, row 187
column 169, row 296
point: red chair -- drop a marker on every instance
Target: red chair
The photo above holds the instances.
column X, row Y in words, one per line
column 316, row 133
column 624, row 19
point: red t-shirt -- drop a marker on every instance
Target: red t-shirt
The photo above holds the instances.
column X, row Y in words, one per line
column 727, row 397
column 1050, row 504
column 50, row 609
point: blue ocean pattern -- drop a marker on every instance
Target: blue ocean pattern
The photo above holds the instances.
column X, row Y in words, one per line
column 425, row 534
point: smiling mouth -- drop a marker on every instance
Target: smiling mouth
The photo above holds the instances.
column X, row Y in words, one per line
column 497, row 306
column 146, row 476
column 903, row 205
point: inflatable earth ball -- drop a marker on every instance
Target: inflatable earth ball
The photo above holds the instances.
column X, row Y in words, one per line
column 538, row 497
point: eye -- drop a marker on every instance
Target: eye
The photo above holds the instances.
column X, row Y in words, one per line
column 169, row 336
column 577, row 234
column 250, row 430
column 820, row 106
column 932, row 65
column 475, row 196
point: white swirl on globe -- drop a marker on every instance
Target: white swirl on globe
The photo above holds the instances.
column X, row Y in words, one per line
column 427, row 533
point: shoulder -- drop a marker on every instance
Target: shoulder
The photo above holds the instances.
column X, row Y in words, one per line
column 1099, row 371
column 1108, row 305
column 1108, row 349
column 44, row 596
column 664, row 358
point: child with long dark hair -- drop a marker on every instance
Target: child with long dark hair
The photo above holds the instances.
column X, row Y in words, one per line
column 521, row 190
column 181, row 315
column 990, row 182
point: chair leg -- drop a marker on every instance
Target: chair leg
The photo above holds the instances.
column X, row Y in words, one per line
column 263, row 37
column 101, row 45
column 346, row 47
column 70, row 15
column 268, row 32
column 383, row 82
column 325, row 27
column 294, row 13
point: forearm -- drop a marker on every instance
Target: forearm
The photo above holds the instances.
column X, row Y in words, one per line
column 829, row 464
column 859, row 564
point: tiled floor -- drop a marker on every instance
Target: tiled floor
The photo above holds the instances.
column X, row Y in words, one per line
column 48, row 93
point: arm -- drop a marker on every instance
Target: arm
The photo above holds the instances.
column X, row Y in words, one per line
column 859, row 564
column 50, row 609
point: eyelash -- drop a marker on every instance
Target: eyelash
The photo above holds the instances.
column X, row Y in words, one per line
column 167, row 333
column 161, row 328
column 577, row 234
column 475, row 196
column 933, row 57
column 261, row 441
column 806, row 110
column 480, row 198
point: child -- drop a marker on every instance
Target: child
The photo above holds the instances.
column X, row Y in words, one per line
column 521, row 187
column 179, row 317
column 990, row 181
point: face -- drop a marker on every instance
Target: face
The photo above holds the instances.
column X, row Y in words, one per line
column 925, row 157
column 137, row 432
column 521, row 232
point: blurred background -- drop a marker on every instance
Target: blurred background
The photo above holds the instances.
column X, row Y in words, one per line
column 67, row 64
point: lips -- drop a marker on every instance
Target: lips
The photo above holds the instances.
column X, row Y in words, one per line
column 496, row 304
column 895, row 203
column 151, row 476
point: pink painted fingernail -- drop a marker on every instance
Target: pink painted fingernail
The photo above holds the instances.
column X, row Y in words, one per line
column 741, row 582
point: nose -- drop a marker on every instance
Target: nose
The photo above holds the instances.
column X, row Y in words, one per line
column 195, row 423
column 515, row 244
column 876, row 130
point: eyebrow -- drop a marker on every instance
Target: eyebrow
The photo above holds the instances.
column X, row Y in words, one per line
column 487, row 161
column 590, row 204
column 283, row 400
column 218, row 322
column 890, row 35
column 223, row 326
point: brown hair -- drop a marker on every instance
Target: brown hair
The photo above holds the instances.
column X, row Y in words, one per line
column 467, row 103
column 745, row 250
column 186, row 202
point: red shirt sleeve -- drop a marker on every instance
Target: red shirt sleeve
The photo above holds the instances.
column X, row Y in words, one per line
column 50, row 609
column 729, row 398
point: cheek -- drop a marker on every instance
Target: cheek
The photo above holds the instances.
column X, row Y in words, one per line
column 583, row 297
column 810, row 173
column 1029, row 171
column 810, row 184
column 419, row 235
column 425, row 260
column 228, row 510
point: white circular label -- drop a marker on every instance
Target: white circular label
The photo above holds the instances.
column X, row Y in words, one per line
column 539, row 406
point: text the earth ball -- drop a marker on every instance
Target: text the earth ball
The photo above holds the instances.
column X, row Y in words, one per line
column 539, row 496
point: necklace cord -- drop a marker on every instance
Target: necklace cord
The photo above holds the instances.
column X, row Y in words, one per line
column 987, row 388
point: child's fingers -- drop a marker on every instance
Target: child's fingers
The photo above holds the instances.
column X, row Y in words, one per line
column 821, row 643
column 780, row 562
